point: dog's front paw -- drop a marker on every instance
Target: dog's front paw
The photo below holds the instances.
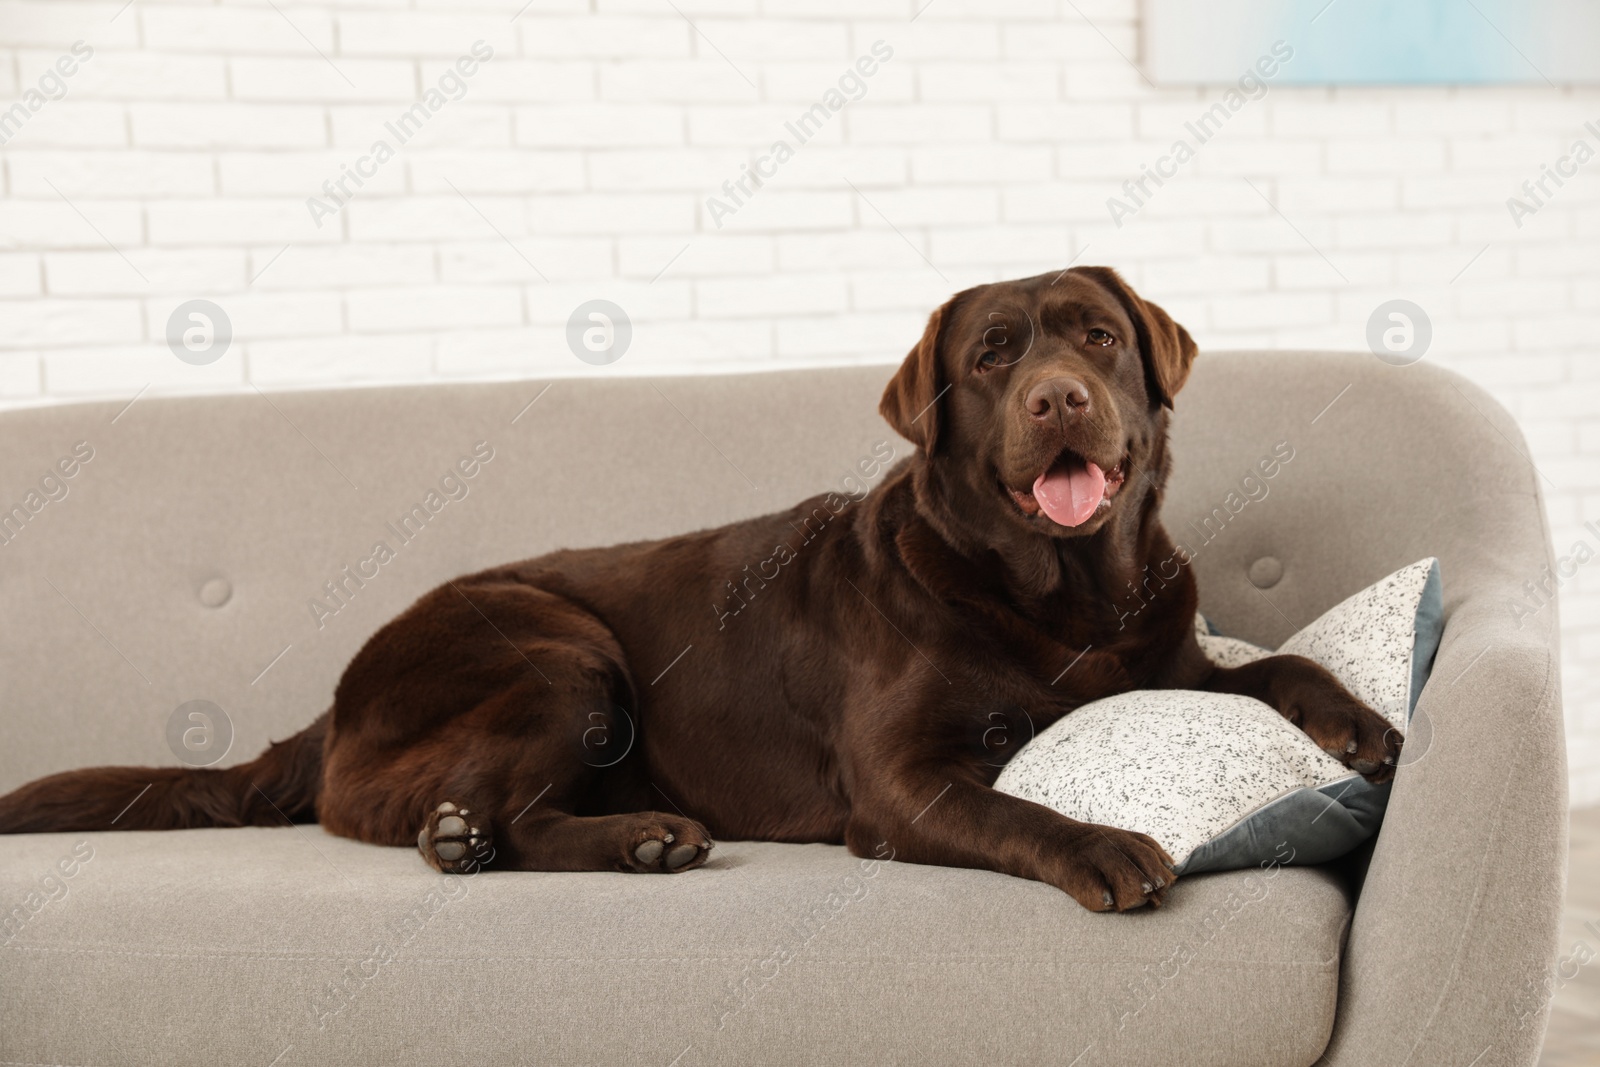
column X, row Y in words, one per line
column 1107, row 869
column 1348, row 730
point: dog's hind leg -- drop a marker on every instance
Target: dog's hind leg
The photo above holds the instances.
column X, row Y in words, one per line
column 643, row 842
column 515, row 804
column 489, row 727
column 520, row 812
column 459, row 839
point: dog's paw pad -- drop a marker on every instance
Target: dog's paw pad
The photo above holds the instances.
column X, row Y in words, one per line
column 667, row 843
column 455, row 840
column 682, row 855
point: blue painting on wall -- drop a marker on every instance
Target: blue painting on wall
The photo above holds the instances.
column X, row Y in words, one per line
column 1375, row 42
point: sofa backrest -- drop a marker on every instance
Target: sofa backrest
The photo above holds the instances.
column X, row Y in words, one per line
column 183, row 556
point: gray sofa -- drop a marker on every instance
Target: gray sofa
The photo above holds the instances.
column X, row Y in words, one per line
column 181, row 564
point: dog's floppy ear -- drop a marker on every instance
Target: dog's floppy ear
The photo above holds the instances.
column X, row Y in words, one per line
column 1167, row 348
column 910, row 403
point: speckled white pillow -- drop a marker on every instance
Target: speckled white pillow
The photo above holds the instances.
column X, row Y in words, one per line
column 1224, row 781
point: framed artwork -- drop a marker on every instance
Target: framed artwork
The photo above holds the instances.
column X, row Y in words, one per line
column 1374, row 42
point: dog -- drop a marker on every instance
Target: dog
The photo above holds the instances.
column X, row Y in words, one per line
column 506, row 719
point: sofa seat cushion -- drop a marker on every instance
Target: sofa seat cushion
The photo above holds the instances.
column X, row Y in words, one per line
column 239, row 946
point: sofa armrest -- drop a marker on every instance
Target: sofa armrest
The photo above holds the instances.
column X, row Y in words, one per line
column 1449, row 954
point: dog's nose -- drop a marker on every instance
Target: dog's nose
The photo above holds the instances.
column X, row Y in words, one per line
column 1056, row 397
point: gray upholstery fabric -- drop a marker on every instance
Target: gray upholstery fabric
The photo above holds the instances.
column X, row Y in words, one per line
column 218, row 946
column 208, row 946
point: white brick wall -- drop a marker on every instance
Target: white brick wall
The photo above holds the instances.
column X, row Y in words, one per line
column 179, row 161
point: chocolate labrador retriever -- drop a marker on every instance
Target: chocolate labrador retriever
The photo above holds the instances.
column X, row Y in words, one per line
column 533, row 716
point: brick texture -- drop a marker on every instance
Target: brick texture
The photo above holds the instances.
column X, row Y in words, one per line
column 581, row 160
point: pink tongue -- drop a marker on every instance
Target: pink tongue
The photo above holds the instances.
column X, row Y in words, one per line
column 1069, row 494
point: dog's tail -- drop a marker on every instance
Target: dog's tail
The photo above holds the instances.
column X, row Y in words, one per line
column 278, row 786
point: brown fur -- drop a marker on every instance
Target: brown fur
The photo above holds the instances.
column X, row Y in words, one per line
column 865, row 693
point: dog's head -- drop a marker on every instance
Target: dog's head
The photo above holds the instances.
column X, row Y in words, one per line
column 1046, row 393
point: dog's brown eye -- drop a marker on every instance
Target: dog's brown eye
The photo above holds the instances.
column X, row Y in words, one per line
column 1100, row 337
column 988, row 361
